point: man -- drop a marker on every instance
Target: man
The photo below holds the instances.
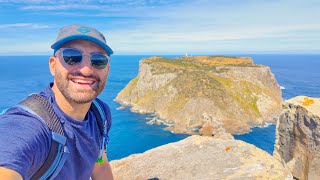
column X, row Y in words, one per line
column 80, row 68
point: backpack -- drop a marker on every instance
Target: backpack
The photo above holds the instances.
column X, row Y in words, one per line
column 58, row 154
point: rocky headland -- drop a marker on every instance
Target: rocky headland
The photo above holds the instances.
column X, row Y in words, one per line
column 218, row 96
column 192, row 93
column 201, row 157
column 298, row 137
column 216, row 155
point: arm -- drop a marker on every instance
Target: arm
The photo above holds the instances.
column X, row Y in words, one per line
column 102, row 171
column 9, row 174
column 24, row 141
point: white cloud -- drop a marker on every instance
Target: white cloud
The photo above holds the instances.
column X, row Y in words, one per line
column 205, row 26
column 65, row 7
column 100, row 5
column 27, row 25
column 202, row 25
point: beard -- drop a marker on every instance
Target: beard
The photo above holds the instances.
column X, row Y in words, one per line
column 79, row 96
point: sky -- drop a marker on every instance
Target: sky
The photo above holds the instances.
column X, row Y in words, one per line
column 154, row 27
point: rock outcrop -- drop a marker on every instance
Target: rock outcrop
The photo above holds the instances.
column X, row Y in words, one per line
column 188, row 92
column 298, row 137
column 198, row 157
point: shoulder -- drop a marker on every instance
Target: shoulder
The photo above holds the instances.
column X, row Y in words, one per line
column 106, row 109
column 104, row 105
column 20, row 117
column 107, row 112
column 24, row 126
column 25, row 141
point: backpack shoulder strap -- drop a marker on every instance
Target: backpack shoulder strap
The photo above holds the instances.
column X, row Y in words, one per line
column 39, row 106
column 100, row 115
column 101, row 118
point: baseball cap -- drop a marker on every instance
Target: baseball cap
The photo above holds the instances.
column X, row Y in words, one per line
column 80, row 32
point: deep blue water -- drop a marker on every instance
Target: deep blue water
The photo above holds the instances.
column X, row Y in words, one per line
column 23, row 75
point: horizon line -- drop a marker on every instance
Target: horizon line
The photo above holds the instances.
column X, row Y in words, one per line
column 179, row 54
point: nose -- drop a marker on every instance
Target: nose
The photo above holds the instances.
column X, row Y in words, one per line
column 85, row 66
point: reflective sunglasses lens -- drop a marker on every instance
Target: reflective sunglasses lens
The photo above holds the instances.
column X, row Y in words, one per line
column 72, row 56
column 99, row 61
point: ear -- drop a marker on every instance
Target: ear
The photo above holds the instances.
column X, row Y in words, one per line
column 52, row 65
column 108, row 68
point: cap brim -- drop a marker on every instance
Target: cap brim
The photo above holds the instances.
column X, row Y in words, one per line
column 58, row 44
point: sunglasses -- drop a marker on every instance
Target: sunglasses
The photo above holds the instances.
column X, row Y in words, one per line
column 74, row 56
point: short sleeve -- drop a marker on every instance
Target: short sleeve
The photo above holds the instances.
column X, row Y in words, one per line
column 24, row 140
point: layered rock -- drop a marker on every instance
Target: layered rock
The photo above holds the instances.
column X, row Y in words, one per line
column 198, row 157
column 188, row 92
column 298, row 137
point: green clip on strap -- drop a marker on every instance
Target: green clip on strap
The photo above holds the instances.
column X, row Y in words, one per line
column 101, row 120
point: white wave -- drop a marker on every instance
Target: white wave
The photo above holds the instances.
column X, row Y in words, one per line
column 157, row 121
column 282, row 87
column 265, row 125
column 121, row 108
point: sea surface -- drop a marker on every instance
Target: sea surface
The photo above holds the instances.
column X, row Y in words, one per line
column 130, row 134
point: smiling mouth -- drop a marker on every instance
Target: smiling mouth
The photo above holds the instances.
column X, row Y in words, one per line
column 83, row 81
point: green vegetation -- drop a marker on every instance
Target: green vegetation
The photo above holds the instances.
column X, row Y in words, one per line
column 196, row 84
column 246, row 98
column 200, row 77
column 129, row 89
column 177, row 103
column 147, row 100
column 165, row 65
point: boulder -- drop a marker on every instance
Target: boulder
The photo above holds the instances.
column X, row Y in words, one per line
column 201, row 157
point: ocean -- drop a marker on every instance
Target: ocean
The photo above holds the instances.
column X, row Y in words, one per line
column 130, row 134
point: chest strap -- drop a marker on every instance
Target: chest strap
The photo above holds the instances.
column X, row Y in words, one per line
column 58, row 154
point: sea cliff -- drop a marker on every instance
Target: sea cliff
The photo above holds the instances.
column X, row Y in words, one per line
column 188, row 93
column 298, row 137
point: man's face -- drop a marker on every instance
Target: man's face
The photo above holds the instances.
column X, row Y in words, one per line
column 79, row 83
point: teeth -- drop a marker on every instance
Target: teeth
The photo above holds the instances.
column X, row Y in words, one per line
column 82, row 81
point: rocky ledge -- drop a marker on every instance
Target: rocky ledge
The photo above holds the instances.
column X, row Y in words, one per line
column 200, row 157
column 298, row 137
column 188, row 93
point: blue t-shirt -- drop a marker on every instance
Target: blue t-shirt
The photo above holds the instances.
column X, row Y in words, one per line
column 25, row 141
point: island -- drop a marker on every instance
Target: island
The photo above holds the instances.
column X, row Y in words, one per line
column 213, row 92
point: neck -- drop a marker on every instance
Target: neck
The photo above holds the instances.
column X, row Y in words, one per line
column 72, row 109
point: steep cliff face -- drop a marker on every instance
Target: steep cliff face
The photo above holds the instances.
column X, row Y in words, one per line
column 298, row 137
column 199, row 157
column 189, row 92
